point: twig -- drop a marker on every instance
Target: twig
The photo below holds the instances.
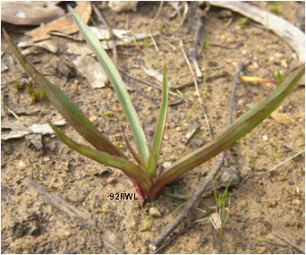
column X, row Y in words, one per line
column 196, row 196
column 13, row 113
column 192, row 15
column 158, row 11
column 193, row 52
column 60, row 204
column 281, row 163
column 179, row 233
column 286, row 240
column 146, row 83
column 112, row 36
column 197, row 89
column 274, row 167
column 191, row 133
column 208, row 79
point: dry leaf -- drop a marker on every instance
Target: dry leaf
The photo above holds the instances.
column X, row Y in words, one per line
column 63, row 24
column 29, row 13
column 216, row 221
column 92, row 70
column 19, row 131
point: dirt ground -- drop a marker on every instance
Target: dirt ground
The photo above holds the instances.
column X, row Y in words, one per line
column 259, row 208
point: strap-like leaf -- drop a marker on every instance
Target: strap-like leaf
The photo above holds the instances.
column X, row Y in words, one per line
column 118, row 85
column 118, row 162
column 64, row 105
column 227, row 138
column 160, row 126
column 132, row 151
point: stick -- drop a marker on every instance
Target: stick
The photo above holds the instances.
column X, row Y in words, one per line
column 281, row 163
column 286, row 240
column 158, row 11
column 147, row 83
column 193, row 52
column 196, row 196
column 197, row 89
column 274, row 167
column 60, row 204
column 112, row 36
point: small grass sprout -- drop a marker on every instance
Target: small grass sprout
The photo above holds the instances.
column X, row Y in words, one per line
column 242, row 22
column 142, row 170
column 221, row 201
column 278, row 77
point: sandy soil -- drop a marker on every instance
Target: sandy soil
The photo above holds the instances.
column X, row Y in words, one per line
column 257, row 208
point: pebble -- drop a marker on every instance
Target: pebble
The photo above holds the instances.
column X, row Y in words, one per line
column 68, row 233
column 284, row 63
column 155, row 212
column 21, row 165
column 265, row 137
column 225, row 14
column 261, row 249
column 46, row 159
column 93, row 118
column 167, row 164
column 196, row 143
column 282, row 118
column 35, row 140
column 112, row 241
column 111, row 180
column 296, row 202
column 273, row 204
column 123, row 6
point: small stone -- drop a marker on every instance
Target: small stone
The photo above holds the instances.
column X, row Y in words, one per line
column 46, row 159
column 111, row 180
column 254, row 66
column 113, row 241
column 67, row 233
column 35, row 140
column 123, row 6
column 93, row 118
column 284, row 63
column 196, row 143
column 167, row 164
column 265, row 137
column 35, row 230
column 21, row 165
column 261, row 249
column 282, row 118
column 241, row 102
column 296, row 202
column 224, row 14
column 74, row 87
column 155, row 212
column 273, row 204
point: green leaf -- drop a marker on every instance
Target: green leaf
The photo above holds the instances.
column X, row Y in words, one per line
column 227, row 138
column 64, row 105
column 132, row 151
column 102, row 157
column 118, row 85
column 160, row 126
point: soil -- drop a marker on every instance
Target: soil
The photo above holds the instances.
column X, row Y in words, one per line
column 257, row 209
